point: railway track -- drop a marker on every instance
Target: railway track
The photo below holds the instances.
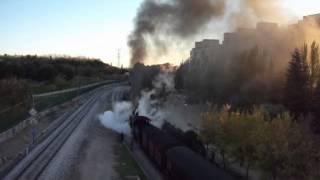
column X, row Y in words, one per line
column 33, row 165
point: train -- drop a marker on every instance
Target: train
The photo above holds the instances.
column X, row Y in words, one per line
column 170, row 156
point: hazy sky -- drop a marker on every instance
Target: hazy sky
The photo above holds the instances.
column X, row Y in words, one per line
column 94, row 28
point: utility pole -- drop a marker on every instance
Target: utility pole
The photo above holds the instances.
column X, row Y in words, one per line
column 77, row 63
column 119, row 56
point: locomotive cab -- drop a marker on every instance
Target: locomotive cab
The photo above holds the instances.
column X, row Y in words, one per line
column 137, row 123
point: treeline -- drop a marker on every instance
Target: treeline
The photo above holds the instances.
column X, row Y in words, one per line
column 47, row 68
column 22, row 76
column 278, row 147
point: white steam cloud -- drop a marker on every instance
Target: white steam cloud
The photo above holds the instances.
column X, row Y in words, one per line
column 150, row 108
column 164, row 80
column 117, row 119
column 150, row 105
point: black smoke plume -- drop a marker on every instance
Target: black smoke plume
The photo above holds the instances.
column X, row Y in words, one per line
column 178, row 18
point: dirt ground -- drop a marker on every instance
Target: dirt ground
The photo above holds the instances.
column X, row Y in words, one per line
column 96, row 157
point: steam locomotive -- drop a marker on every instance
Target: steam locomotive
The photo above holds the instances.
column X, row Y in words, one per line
column 171, row 157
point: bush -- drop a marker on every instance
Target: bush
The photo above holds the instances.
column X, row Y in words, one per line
column 47, row 72
column 67, row 71
column 60, row 82
column 15, row 102
column 13, row 91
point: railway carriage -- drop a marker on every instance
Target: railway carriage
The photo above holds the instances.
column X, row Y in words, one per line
column 176, row 161
column 183, row 163
column 136, row 124
column 155, row 143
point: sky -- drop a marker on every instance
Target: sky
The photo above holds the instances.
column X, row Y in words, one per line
column 91, row 28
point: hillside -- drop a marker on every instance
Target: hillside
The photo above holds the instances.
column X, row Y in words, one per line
column 23, row 76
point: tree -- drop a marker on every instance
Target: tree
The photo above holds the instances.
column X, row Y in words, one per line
column 214, row 131
column 245, row 135
column 272, row 144
column 316, row 108
column 284, row 148
column 314, row 65
column 67, row 71
column 12, row 92
column 302, row 155
column 296, row 95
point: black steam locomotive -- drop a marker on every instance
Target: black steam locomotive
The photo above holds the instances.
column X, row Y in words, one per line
column 172, row 158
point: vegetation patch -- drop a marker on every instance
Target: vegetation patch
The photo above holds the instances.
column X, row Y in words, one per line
column 277, row 145
column 45, row 102
column 126, row 166
column 22, row 76
column 15, row 101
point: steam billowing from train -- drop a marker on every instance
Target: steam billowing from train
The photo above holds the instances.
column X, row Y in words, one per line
column 117, row 119
column 249, row 12
column 150, row 105
column 178, row 18
column 161, row 23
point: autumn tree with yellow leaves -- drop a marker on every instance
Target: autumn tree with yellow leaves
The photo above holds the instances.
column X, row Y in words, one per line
column 278, row 146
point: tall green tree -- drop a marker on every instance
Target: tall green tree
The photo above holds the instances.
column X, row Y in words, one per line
column 296, row 87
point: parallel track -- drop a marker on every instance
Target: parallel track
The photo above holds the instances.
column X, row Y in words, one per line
column 32, row 166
